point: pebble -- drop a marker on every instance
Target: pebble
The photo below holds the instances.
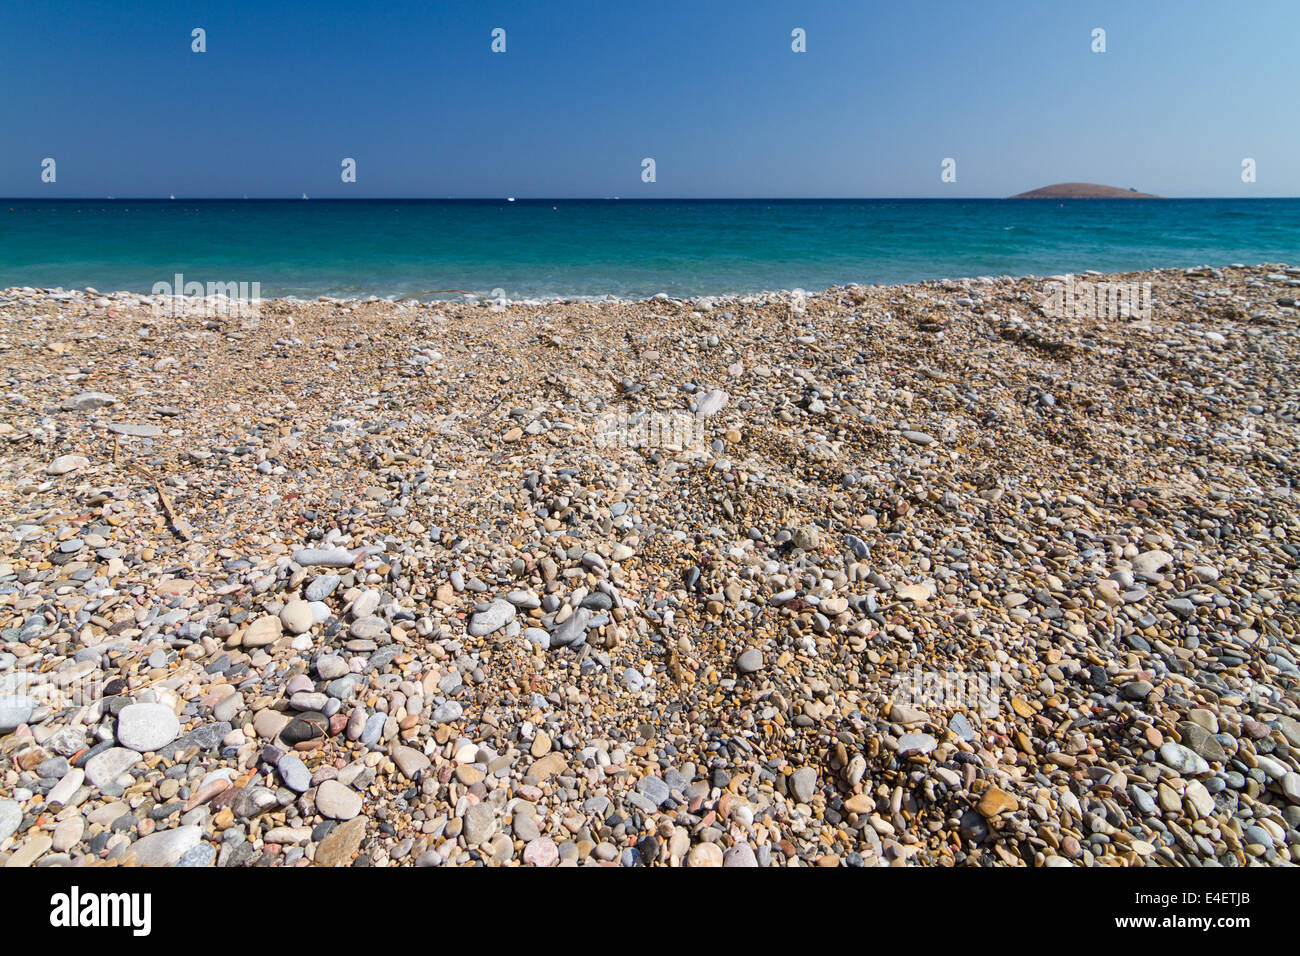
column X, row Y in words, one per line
column 294, row 773
column 66, row 464
column 750, row 661
column 341, row 844
column 1182, row 759
column 995, row 801
column 165, row 847
column 15, row 710
column 11, row 815
column 265, row 630
column 495, row 616
column 541, row 851
column 146, row 727
column 480, row 823
column 337, row 802
column 802, row 784
column 105, row 767
column 296, row 617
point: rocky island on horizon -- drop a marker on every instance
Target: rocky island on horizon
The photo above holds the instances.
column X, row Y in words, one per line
column 1083, row 191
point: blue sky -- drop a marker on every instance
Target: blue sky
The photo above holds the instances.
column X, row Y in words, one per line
column 585, row 90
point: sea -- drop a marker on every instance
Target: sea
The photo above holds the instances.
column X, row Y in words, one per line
column 561, row 248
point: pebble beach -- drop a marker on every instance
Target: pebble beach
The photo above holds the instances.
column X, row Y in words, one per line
column 910, row 575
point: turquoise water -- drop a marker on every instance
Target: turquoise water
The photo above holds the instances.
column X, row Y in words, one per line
column 627, row 248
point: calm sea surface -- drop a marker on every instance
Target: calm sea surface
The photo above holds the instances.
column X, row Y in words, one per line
column 627, row 248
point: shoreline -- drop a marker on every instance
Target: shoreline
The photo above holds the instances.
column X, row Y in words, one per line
column 755, row 297
column 933, row 574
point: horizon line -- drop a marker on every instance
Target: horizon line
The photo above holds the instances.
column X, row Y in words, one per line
column 634, row 199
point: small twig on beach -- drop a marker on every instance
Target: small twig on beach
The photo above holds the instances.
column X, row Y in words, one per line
column 178, row 524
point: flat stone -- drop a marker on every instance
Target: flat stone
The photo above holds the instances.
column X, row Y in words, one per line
column 860, row 803
column 294, row 773
column 654, row 789
column 802, row 784
column 410, row 761
column 742, row 854
column 32, row 849
column 268, row 723
column 712, row 402
column 704, row 855
column 87, row 401
column 1183, row 760
column 322, row 587
column 916, row 593
column 1149, row 562
column 292, row 836
column 548, row 766
column 535, row 635
column 11, row 816
column 907, row 715
column 366, row 604
column 324, row 558
column 62, row 791
column 995, row 801
column 205, row 736
column 205, row 854
column 146, row 727
column 135, row 431
column 368, row 628
column 497, row 615
column 1290, row 786
column 66, row 464
column 15, row 710
column 1200, row 741
column 165, row 847
column 1290, row 728
column 480, row 823
column 103, row 768
column 337, row 802
column 573, row 631
column 340, row 844
column 68, row 833
column 309, row 701
column 750, row 661
column 311, row 725
column 916, row 743
column 332, row 667
column 961, row 727
column 1199, row 799
column 265, row 630
column 541, row 851
column 296, row 617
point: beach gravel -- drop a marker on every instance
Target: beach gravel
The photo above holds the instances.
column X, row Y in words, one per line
column 925, row 575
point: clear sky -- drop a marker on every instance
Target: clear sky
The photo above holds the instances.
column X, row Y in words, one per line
column 710, row 89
